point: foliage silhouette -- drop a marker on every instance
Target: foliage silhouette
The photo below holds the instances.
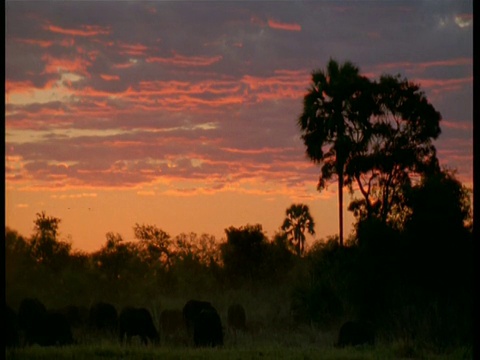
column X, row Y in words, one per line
column 45, row 245
column 399, row 148
column 244, row 252
column 376, row 136
column 155, row 241
column 298, row 219
column 335, row 108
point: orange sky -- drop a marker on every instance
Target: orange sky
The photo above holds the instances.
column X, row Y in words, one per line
column 143, row 112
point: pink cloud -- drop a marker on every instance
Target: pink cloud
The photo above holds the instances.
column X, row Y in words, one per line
column 462, row 125
column 442, row 85
column 55, row 65
column 109, row 77
column 68, row 42
column 149, row 97
column 422, row 66
column 41, row 43
column 252, row 151
column 84, row 31
column 17, row 86
column 132, row 49
column 274, row 24
column 123, row 65
column 181, row 60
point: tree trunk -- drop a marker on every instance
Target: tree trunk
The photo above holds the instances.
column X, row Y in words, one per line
column 340, row 205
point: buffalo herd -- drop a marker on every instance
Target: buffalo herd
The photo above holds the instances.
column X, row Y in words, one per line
column 34, row 324
column 198, row 324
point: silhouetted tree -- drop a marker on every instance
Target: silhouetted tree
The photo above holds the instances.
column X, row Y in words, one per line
column 120, row 268
column 45, row 247
column 298, row 219
column 440, row 207
column 113, row 257
column 323, row 287
column 14, row 242
column 19, row 265
column 438, row 246
column 437, row 229
column 403, row 125
column 156, row 243
column 280, row 258
column 202, row 249
column 334, row 120
column 243, row 254
column 195, row 262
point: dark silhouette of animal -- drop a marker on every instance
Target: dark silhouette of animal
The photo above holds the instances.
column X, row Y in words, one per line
column 171, row 323
column 236, row 318
column 137, row 322
column 207, row 330
column 103, row 317
column 353, row 333
column 191, row 310
column 11, row 329
column 32, row 315
column 42, row 327
column 203, row 323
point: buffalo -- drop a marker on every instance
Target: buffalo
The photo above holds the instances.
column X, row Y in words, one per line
column 191, row 310
column 11, row 331
column 203, row 323
column 353, row 333
column 137, row 322
column 103, row 317
column 208, row 329
column 42, row 327
column 32, row 315
column 236, row 318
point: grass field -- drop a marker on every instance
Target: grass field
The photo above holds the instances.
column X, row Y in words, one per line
column 268, row 338
column 89, row 352
column 302, row 344
column 268, row 343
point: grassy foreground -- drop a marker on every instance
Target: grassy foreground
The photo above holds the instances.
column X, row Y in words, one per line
column 112, row 351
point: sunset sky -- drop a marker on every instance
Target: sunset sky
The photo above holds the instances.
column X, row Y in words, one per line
column 182, row 114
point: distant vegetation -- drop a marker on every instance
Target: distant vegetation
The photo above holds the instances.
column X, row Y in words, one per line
column 407, row 269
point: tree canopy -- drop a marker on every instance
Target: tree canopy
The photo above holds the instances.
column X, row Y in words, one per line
column 297, row 220
column 335, row 112
column 374, row 136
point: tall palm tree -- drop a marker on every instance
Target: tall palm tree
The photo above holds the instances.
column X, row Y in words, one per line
column 334, row 121
column 298, row 219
